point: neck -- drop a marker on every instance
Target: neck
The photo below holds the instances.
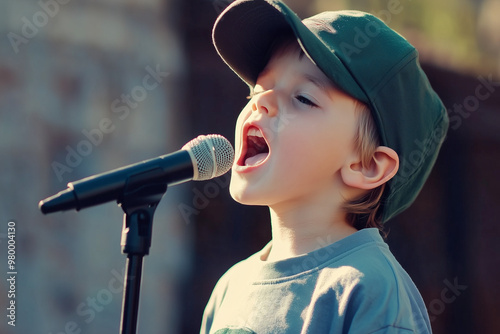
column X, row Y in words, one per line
column 303, row 229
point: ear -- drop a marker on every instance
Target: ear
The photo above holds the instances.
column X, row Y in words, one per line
column 383, row 166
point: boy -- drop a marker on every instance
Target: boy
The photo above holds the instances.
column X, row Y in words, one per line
column 339, row 135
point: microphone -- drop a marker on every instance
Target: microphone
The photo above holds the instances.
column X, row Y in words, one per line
column 203, row 158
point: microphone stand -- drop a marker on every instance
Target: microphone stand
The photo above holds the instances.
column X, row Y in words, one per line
column 138, row 206
column 138, row 189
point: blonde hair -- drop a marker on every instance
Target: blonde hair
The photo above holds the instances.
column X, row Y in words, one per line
column 365, row 211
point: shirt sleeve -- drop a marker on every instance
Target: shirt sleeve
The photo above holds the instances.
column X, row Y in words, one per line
column 382, row 304
column 214, row 303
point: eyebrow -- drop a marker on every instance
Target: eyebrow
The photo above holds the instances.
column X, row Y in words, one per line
column 323, row 84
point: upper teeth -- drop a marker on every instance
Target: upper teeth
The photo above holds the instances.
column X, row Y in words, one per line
column 254, row 132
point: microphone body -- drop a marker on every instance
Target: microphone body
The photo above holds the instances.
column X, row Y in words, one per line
column 202, row 158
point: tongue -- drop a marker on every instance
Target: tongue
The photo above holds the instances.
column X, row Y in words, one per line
column 256, row 159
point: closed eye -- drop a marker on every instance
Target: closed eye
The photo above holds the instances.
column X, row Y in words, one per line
column 304, row 100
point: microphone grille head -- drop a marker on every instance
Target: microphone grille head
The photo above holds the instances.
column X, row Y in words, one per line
column 212, row 156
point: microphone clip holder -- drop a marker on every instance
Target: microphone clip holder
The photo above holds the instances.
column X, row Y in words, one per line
column 139, row 206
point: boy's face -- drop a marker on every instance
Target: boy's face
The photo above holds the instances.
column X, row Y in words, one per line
column 308, row 130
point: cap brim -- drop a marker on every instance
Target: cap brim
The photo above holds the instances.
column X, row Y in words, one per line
column 244, row 33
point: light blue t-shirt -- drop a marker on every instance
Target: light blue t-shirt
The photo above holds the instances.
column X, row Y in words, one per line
column 354, row 285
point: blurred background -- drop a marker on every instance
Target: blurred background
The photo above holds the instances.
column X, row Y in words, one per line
column 89, row 86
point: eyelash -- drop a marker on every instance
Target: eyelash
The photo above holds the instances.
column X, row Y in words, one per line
column 306, row 101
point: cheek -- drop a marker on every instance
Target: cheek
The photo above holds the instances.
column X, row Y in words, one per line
column 301, row 153
column 318, row 150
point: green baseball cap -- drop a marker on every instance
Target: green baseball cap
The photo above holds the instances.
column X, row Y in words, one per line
column 364, row 58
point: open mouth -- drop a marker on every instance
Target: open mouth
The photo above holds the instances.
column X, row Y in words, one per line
column 257, row 149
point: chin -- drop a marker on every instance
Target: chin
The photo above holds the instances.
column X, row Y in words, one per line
column 238, row 193
column 241, row 194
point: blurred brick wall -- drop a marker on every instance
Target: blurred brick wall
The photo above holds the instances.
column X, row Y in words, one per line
column 86, row 87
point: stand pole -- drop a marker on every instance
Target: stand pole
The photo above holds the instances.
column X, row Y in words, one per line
column 139, row 207
column 130, row 304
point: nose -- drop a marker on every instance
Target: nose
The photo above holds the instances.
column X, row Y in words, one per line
column 266, row 102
